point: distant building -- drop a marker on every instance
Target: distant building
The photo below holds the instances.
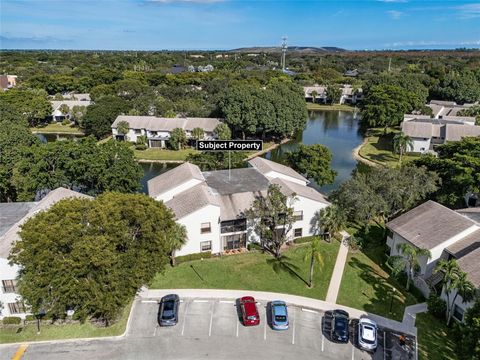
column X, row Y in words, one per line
column 8, row 81
column 157, row 130
column 446, row 108
column 349, row 95
column 351, row 73
column 211, row 204
column 58, row 115
column 12, row 216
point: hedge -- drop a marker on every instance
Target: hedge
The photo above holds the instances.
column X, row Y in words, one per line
column 11, row 320
column 191, row 257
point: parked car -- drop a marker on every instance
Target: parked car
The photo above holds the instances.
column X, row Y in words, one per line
column 279, row 315
column 249, row 311
column 339, row 330
column 168, row 310
column 367, row 334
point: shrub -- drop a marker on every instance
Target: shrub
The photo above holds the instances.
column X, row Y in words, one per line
column 191, row 257
column 11, row 320
column 436, row 306
column 356, row 242
column 140, row 146
column 303, row 240
column 30, row 318
column 66, row 122
column 254, row 246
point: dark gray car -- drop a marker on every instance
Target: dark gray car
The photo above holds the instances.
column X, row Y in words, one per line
column 168, row 310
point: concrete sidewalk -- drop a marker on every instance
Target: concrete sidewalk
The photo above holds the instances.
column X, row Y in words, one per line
column 336, row 278
column 411, row 312
column 300, row 301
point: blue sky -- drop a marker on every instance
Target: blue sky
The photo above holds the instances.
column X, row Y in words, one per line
column 224, row 24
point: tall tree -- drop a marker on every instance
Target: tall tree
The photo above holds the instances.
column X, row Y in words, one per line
column 178, row 139
column 32, row 104
column 467, row 335
column 463, row 287
column 313, row 161
column 223, row 132
column 333, row 93
column 123, row 127
column 401, row 144
column 272, row 216
column 198, row 133
column 330, row 220
column 313, row 255
column 93, row 255
column 408, row 260
column 100, row 116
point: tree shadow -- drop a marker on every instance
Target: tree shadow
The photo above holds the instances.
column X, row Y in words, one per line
column 285, row 265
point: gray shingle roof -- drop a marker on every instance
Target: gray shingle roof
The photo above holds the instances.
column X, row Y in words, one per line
column 54, row 196
column 70, row 103
column 239, row 181
column 470, row 264
column 173, row 178
column 288, row 188
column 232, row 206
column 265, row 166
column 417, row 129
column 191, row 200
column 457, row 132
column 10, row 213
column 153, row 123
column 429, row 225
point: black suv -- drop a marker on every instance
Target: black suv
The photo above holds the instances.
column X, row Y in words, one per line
column 168, row 310
column 339, row 331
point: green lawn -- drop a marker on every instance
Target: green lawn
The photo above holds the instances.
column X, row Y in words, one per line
column 56, row 127
column 341, row 107
column 367, row 285
column 69, row 331
column 163, row 154
column 433, row 339
column 253, row 271
column 379, row 148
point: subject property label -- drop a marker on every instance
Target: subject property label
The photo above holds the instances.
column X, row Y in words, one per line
column 229, row 145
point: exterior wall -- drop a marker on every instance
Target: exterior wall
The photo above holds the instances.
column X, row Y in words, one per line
column 274, row 175
column 192, row 222
column 132, row 136
column 309, row 208
column 168, row 195
column 8, row 272
column 458, row 301
column 419, row 144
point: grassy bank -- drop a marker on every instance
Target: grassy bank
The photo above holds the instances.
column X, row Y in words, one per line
column 253, row 271
column 433, row 339
column 68, row 331
column 366, row 282
column 163, row 154
column 341, row 107
column 58, row 128
column 378, row 148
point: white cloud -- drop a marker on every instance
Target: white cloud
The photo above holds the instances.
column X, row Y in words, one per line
column 394, row 14
column 469, row 11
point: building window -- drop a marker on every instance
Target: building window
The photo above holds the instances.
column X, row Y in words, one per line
column 233, row 226
column 153, row 133
column 298, row 215
column 298, row 232
column 138, row 131
column 205, row 228
column 458, row 313
column 205, row 246
column 16, row 308
column 9, row 286
column 236, row 241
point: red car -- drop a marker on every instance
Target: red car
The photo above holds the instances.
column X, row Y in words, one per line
column 249, row 311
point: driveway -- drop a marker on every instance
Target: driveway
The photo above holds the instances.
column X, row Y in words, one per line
column 210, row 328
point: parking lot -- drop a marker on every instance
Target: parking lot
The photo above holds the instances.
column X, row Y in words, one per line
column 220, row 320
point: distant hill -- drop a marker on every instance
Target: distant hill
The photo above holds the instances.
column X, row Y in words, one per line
column 300, row 49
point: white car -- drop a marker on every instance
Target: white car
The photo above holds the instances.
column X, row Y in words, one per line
column 367, row 334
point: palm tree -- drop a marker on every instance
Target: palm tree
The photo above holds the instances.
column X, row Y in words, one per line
column 314, row 95
column 313, row 253
column 401, row 144
column 330, row 220
column 123, row 127
column 176, row 239
column 449, row 269
column 408, row 260
column 462, row 287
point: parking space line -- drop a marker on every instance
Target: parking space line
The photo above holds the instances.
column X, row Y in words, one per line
column 184, row 318
column 200, row 301
column 310, row 311
column 323, row 335
column 384, row 345
column 323, row 342
column 293, row 327
column 155, row 330
column 226, row 301
column 237, row 327
column 211, row 319
column 353, row 352
column 149, row 301
column 265, row 327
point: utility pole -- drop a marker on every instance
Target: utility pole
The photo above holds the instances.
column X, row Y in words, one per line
column 284, row 51
column 389, row 64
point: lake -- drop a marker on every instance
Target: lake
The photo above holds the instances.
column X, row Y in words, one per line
column 338, row 130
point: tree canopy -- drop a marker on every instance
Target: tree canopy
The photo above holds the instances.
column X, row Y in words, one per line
column 313, row 161
column 93, row 255
column 100, row 116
